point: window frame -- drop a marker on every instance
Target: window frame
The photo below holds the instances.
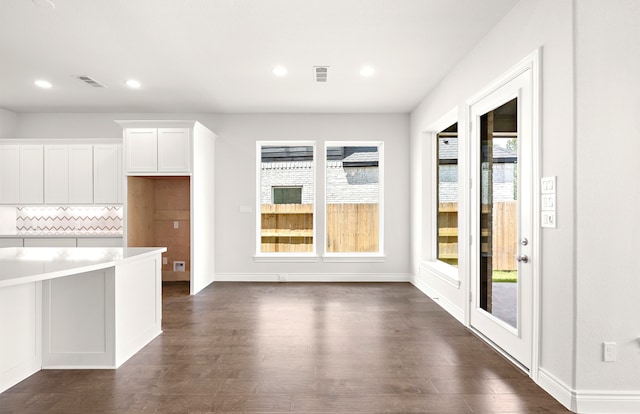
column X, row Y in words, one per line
column 261, row 256
column 356, row 256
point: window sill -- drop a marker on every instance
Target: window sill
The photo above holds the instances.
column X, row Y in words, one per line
column 354, row 258
column 285, row 258
column 442, row 271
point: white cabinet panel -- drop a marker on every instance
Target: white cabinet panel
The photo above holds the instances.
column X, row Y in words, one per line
column 12, row 242
column 141, row 149
column 31, row 174
column 99, row 241
column 80, row 174
column 173, row 150
column 56, row 174
column 50, row 242
column 107, row 174
column 9, row 174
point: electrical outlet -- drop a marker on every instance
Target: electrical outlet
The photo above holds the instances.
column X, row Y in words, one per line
column 165, row 261
column 176, row 224
column 609, row 351
column 178, row 266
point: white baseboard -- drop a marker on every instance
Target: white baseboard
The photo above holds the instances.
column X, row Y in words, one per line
column 590, row 401
column 312, row 277
column 447, row 305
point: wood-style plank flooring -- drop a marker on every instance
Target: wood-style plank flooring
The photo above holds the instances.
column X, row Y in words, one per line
column 295, row 348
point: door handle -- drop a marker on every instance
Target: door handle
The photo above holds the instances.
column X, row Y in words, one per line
column 522, row 258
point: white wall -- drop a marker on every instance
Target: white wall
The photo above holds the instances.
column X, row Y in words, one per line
column 608, row 192
column 8, row 121
column 235, row 175
column 531, row 24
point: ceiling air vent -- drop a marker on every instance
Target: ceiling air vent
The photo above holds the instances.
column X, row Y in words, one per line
column 320, row 73
column 89, row 81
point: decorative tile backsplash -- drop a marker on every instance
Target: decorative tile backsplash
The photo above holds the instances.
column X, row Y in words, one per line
column 72, row 220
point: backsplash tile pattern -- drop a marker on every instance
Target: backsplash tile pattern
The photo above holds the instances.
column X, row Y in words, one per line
column 72, row 220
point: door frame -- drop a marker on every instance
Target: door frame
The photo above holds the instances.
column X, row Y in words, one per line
column 530, row 62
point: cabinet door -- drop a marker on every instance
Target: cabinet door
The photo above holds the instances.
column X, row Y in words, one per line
column 141, row 150
column 174, row 150
column 31, row 174
column 9, row 174
column 56, row 174
column 107, row 174
column 50, row 242
column 80, row 174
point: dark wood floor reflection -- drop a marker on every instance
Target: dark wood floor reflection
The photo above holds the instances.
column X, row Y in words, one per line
column 295, row 348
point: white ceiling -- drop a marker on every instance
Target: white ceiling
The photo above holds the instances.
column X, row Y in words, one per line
column 217, row 55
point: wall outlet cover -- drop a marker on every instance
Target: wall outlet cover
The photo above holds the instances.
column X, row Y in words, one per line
column 178, row 266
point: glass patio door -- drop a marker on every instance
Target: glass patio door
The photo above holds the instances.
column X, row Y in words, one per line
column 501, row 288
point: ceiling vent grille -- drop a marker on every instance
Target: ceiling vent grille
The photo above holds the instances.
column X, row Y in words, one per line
column 320, row 73
column 89, row 81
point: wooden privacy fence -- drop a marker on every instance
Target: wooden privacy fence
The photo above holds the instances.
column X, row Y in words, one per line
column 504, row 239
column 289, row 227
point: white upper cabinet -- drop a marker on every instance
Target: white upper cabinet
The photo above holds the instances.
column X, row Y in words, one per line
column 56, row 174
column 31, row 174
column 158, row 150
column 173, row 150
column 9, row 174
column 68, row 174
column 80, row 174
column 141, row 149
column 107, row 174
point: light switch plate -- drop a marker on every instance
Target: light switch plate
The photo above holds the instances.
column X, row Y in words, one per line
column 548, row 185
column 548, row 219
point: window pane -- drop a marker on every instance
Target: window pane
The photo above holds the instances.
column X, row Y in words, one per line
column 447, row 182
column 352, row 189
column 287, row 196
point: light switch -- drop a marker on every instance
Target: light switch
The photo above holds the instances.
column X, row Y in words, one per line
column 176, row 224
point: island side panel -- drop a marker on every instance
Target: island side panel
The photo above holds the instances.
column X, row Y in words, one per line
column 20, row 332
column 78, row 321
column 138, row 304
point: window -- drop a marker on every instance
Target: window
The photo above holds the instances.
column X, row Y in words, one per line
column 287, row 195
column 286, row 190
column 353, row 177
column 447, row 195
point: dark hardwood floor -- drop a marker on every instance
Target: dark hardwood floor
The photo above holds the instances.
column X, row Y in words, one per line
column 295, row 348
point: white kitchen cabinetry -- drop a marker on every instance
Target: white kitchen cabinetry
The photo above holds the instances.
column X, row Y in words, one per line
column 107, row 174
column 11, row 242
column 182, row 148
column 80, row 174
column 9, row 174
column 31, row 174
column 50, row 242
column 56, row 174
column 68, row 174
column 156, row 151
column 99, row 242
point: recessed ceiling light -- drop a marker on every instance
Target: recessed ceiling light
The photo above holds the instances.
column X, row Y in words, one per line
column 46, row 4
column 367, row 71
column 43, row 84
column 279, row 71
column 132, row 83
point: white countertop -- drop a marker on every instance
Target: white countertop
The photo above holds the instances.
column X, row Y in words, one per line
column 58, row 236
column 31, row 264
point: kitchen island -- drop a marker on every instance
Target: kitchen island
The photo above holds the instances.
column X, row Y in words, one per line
column 74, row 308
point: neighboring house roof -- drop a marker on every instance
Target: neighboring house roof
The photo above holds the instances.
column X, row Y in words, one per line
column 361, row 159
column 448, row 149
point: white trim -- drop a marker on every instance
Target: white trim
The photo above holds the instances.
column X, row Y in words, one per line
column 442, row 271
column 557, row 389
column 380, row 146
column 285, row 258
column 313, row 277
column 589, row 401
column 354, row 258
column 259, row 254
column 446, row 304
